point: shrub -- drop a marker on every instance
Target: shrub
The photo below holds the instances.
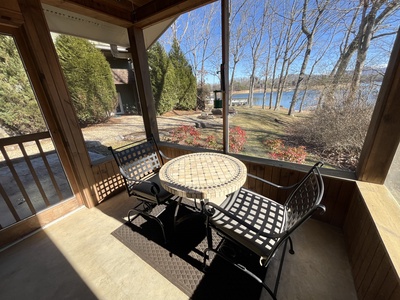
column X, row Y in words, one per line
column 19, row 110
column 186, row 134
column 291, row 154
column 185, row 81
column 163, row 81
column 274, row 145
column 286, row 153
column 336, row 131
column 211, row 142
column 89, row 79
column 237, row 139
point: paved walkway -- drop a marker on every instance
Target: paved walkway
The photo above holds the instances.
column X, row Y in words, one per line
column 120, row 128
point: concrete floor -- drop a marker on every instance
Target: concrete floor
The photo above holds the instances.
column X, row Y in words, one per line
column 78, row 258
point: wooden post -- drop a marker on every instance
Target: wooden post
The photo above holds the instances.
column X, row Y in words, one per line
column 225, row 72
column 55, row 101
column 141, row 68
column 383, row 135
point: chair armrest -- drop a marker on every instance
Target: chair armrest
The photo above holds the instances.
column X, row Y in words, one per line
column 164, row 156
column 155, row 189
column 271, row 183
column 210, row 212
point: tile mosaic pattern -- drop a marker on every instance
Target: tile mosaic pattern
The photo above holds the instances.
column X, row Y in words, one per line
column 203, row 175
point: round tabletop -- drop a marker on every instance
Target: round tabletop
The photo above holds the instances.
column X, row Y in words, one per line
column 203, row 175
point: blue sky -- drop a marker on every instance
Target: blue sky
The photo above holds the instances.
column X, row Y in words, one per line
column 190, row 29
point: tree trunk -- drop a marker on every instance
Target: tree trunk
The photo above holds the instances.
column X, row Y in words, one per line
column 310, row 39
column 366, row 32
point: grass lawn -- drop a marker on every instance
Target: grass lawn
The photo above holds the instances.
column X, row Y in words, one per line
column 260, row 125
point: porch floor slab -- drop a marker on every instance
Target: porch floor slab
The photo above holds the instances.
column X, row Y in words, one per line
column 78, row 258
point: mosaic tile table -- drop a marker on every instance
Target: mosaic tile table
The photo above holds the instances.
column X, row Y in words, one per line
column 205, row 176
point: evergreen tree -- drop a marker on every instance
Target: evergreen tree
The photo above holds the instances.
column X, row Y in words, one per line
column 19, row 110
column 162, row 78
column 89, row 79
column 185, row 80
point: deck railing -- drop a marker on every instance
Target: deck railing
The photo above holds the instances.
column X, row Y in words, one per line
column 31, row 177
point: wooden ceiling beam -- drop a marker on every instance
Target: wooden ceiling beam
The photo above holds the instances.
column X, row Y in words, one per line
column 114, row 12
column 160, row 10
column 127, row 13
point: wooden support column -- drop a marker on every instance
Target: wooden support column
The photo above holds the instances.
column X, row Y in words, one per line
column 383, row 135
column 56, row 102
column 141, row 68
column 225, row 71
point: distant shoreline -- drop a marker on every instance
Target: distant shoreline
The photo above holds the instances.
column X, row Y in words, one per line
column 314, row 88
column 247, row 91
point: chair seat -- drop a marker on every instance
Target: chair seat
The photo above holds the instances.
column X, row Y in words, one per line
column 263, row 225
column 258, row 211
column 144, row 189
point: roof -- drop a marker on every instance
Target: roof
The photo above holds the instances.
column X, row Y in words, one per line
column 107, row 21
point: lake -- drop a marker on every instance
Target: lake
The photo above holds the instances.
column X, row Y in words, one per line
column 311, row 98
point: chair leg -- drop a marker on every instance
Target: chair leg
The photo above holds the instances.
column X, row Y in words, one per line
column 209, row 234
column 291, row 251
column 178, row 205
column 209, row 243
column 240, row 267
column 161, row 225
column 278, row 276
column 144, row 214
column 205, row 257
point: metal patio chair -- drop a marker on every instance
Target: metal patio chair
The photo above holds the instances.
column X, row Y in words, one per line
column 139, row 164
column 262, row 225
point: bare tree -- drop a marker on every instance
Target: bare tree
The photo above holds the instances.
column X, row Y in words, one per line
column 267, row 57
column 238, row 37
column 366, row 33
column 202, row 47
column 277, row 55
column 373, row 14
column 256, row 29
column 316, row 16
column 318, row 57
column 177, row 30
column 196, row 35
column 292, row 48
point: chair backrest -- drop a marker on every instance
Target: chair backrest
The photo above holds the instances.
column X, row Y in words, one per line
column 138, row 160
column 305, row 198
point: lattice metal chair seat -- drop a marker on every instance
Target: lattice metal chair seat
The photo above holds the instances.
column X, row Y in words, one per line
column 265, row 216
column 139, row 164
column 262, row 225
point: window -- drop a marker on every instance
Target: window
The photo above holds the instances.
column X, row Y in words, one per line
column 303, row 80
column 103, row 90
column 184, row 68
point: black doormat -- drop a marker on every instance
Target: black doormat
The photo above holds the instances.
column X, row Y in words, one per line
column 181, row 259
